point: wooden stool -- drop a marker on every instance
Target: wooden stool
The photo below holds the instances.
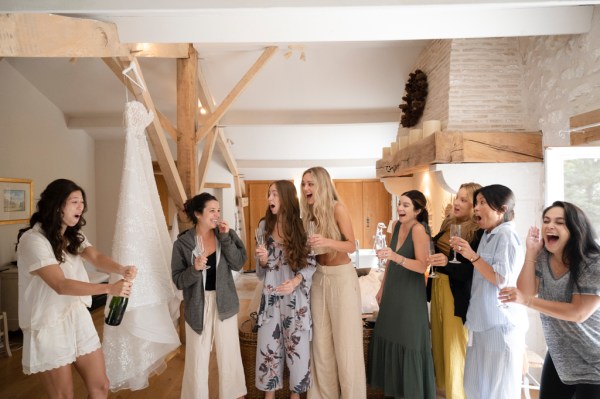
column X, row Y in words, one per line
column 4, row 332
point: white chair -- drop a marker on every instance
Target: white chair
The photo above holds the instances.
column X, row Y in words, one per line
column 4, row 332
column 531, row 360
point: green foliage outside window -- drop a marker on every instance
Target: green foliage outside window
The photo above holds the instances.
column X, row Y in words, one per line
column 582, row 187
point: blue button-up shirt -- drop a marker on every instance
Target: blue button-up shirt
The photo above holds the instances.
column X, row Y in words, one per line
column 501, row 249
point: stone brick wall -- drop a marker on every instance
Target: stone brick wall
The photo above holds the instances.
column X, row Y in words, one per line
column 434, row 60
column 485, row 85
column 513, row 84
column 562, row 79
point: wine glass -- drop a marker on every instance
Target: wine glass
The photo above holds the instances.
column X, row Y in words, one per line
column 378, row 244
column 455, row 231
column 198, row 250
column 433, row 274
column 311, row 230
column 260, row 237
column 502, row 282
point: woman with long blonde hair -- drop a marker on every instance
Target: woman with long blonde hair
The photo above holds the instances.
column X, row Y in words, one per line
column 450, row 295
column 337, row 353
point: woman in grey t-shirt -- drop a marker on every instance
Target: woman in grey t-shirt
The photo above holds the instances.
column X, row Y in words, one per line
column 563, row 268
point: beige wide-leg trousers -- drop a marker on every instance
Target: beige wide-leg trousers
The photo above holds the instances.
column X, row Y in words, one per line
column 337, row 349
column 224, row 335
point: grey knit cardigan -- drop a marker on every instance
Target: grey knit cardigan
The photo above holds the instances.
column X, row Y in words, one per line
column 231, row 256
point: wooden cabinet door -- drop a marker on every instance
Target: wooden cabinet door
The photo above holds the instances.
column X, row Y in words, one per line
column 377, row 207
column 368, row 203
column 257, row 192
column 351, row 195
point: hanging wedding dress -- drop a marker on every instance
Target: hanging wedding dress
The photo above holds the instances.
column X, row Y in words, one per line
column 136, row 349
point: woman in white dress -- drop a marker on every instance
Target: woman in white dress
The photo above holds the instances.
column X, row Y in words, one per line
column 54, row 292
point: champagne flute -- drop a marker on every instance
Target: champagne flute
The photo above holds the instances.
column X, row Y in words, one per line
column 380, row 244
column 260, row 237
column 433, row 274
column 198, row 250
column 502, row 282
column 455, row 231
column 311, row 230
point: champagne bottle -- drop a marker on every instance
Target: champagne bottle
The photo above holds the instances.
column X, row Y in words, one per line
column 116, row 310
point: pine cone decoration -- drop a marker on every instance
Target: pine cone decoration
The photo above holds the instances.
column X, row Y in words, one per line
column 414, row 100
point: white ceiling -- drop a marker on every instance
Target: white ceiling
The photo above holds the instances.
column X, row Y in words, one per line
column 340, row 103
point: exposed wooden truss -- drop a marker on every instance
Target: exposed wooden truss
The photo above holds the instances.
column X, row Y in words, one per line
column 155, row 131
column 187, row 110
column 218, row 113
column 48, row 35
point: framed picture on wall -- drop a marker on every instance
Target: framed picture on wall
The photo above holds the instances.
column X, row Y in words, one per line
column 17, row 200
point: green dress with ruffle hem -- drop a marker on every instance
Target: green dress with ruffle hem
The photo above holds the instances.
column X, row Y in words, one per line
column 400, row 360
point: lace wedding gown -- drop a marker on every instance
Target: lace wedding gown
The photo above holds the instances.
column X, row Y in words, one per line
column 136, row 348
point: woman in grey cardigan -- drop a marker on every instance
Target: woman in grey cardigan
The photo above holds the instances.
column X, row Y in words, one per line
column 202, row 261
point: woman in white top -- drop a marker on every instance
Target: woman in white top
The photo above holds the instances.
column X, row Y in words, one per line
column 54, row 292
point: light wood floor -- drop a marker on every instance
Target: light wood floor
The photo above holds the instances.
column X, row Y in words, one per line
column 15, row 385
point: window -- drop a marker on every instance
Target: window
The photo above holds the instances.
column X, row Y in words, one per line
column 573, row 175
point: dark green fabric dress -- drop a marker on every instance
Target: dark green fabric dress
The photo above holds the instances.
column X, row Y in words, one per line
column 400, row 360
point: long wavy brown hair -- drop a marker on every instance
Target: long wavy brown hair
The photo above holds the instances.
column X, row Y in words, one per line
column 290, row 225
column 49, row 215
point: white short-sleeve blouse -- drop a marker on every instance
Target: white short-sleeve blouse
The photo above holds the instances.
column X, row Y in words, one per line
column 39, row 305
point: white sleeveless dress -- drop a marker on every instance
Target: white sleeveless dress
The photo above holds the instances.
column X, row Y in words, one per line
column 136, row 349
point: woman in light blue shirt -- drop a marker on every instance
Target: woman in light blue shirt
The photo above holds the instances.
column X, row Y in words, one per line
column 494, row 359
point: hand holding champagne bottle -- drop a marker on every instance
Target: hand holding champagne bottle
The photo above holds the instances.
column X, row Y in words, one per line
column 120, row 291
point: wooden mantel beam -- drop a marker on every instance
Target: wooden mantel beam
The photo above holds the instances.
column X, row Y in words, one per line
column 214, row 117
column 462, row 147
column 48, row 35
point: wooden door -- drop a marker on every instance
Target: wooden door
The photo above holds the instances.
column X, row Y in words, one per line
column 257, row 192
column 368, row 203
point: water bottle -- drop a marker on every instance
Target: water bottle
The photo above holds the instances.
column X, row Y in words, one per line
column 116, row 310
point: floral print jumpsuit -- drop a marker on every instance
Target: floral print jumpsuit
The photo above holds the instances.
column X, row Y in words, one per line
column 285, row 324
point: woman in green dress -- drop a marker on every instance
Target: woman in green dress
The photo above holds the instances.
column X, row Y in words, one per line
column 400, row 360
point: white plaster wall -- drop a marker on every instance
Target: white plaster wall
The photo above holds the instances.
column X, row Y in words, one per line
column 109, row 169
column 35, row 144
column 561, row 79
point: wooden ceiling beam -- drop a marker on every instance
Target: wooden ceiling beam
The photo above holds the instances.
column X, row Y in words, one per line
column 49, row 35
column 155, row 131
column 215, row 116
column 167, row 125
column 187, row 111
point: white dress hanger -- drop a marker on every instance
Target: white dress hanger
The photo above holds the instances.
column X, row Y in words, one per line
column 136, row 80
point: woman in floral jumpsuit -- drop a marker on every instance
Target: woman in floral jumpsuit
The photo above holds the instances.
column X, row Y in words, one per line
column 284, row 318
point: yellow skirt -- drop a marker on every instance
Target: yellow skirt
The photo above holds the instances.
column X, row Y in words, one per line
column 448, row 340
